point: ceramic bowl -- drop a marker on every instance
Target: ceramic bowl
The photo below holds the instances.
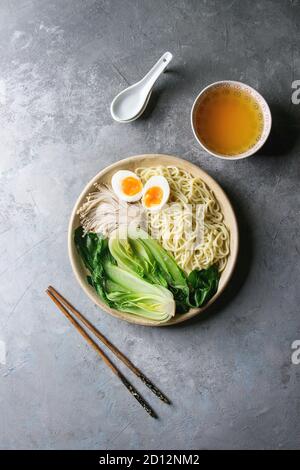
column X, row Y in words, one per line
column 267, row 118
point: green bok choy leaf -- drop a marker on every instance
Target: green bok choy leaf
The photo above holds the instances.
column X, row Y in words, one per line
column 203, row 285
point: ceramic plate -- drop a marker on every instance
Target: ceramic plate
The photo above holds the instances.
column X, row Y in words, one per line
column 131, row 163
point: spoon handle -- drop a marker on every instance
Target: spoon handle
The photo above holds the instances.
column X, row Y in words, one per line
column 157, row 69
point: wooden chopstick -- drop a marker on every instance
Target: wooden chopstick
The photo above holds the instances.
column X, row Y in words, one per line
column 113, row 348
column 101, row 353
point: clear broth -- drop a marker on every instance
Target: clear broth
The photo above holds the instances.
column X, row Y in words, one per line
column 229, row 121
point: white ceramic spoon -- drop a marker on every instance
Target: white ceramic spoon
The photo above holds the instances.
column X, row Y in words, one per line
column 131, row 102
column 141, row 112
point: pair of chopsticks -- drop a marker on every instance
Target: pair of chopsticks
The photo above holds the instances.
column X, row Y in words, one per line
column 64, row 306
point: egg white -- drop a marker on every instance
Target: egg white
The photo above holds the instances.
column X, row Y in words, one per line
column 162, row 183
column 116, row 183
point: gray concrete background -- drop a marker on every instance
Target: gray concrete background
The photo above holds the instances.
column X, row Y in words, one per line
column 229, row 374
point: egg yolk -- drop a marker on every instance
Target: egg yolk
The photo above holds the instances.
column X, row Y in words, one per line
column 153, row 196
column 131, row 186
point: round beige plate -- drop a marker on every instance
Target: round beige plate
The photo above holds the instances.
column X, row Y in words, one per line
column 132, row 163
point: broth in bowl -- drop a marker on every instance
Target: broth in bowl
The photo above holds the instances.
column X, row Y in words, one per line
column 231, row 120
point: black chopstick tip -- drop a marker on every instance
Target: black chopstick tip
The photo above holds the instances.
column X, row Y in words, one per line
column 166, row 400
column 154, row 389
column 132, row 390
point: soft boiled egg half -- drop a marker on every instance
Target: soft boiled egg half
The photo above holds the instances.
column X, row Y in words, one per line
column 156, row 193
column 127, row 186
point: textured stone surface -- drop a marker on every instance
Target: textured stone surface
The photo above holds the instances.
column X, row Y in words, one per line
column 229, row 374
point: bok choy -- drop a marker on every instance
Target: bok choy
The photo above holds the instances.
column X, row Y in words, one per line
column 119, row 288
column 132, row 273
column 138, row 253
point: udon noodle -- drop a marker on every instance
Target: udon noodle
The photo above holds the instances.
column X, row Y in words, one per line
column 176, row 227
